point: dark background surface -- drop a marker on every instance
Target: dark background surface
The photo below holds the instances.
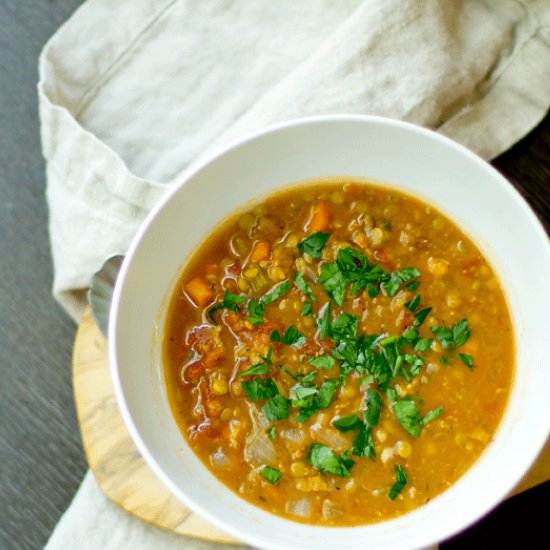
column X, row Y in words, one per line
column 41, row 458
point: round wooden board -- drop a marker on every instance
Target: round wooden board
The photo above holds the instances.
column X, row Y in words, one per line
column 120, row 471
column 117, row 465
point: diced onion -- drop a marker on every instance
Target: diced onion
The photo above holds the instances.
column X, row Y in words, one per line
column 258, row 448
column 330, row 510
column 295, row 435
column 300, row 507
column 330, row 437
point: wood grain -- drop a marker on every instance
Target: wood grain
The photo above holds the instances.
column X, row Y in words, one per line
column 116, row 463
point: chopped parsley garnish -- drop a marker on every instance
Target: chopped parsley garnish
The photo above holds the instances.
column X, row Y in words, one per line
column 452, row 338
column 307, row 310
column 333, row 282
column 323, row 459
column 398, row 278
column 271, row 474
column 260, row 368
column 291, row 337
column 400, row 482
column 374, row 404
column 301, row 283
column 408, row 415
column 276, row 408
column 432, row 415
column 257, row 389
column 323, row 362
column 256, row 307
column 311, row 399
column 229, row 301
column 314, row 244
column 272, row 433
column 413, row 304
column 467, row 359
column 347, row 423
column 420, row 316
column 363, row 445
column 323, row 322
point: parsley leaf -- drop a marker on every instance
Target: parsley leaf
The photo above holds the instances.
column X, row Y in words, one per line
column 452, row 338
column 272, row 433
column 432, row 415
column 413, row 304
column 400, row 482
column 323, row 362
column 259, row 389
column 260, row 368
column 324, row 323
column 307, row 309
column 421, row 315
column 467, row 359
column 333, row 282
column 323, row 459
column 271, row 474
column 255, row 312
column 293, row 337
column 301, row 283
column 408, row 415
column 398, row 278
column 374, row 404
column 229, row 301
column 276, row 408
column 275, row 293
column 314, row 244
column 363, row 444
column 347, row 423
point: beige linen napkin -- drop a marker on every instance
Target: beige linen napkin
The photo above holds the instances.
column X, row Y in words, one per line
column 132, row 92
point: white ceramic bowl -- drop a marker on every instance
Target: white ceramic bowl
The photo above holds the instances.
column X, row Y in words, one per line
column 418, row 161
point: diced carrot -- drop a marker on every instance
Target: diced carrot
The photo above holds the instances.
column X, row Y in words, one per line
column 319, row 219
column 199, row 291
column 260, row 251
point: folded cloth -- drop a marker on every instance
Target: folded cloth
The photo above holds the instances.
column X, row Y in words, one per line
column 132, row 92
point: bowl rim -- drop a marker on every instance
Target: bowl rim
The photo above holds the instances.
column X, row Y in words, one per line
column 195, row 168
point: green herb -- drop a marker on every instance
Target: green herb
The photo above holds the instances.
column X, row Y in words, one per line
column 374, row 404
column 400, row 482
column 275, row 336
column 357, row 270
column 293, row 337
column 392, row 395
column 267, row 358
column 260, row 368
column 323, row 459
column 303, row 286
column 275, row 293
column 255, row 312
column 467, row 359
column 398, row 278
column 347, row 423
column 344, row 327
column 452, row 338
column 307, row 309
column 412, row 286
column 334, row 283
column 323, row 362
column 408, row 415
column 324, row 323
column 314, row 244
column 286, row 371
column 271, row 433
column 259, row 389
column 421, row 315
column 276, row 408
column 432, row 415
column 363, row 444
column 423, row 344
column 311, row 399
column 271, row 474
column 229, row 301
column 413, row 304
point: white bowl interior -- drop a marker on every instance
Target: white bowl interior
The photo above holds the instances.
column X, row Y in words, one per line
column 457, row 182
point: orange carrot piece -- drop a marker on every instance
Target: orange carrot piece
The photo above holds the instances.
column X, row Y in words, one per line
column 260, row 251
column 319, row 219
column 199, row 291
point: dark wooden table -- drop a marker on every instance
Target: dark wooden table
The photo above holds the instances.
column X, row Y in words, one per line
column 41, row 459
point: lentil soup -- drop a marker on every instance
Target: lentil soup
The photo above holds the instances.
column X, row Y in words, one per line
column 339, row 354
